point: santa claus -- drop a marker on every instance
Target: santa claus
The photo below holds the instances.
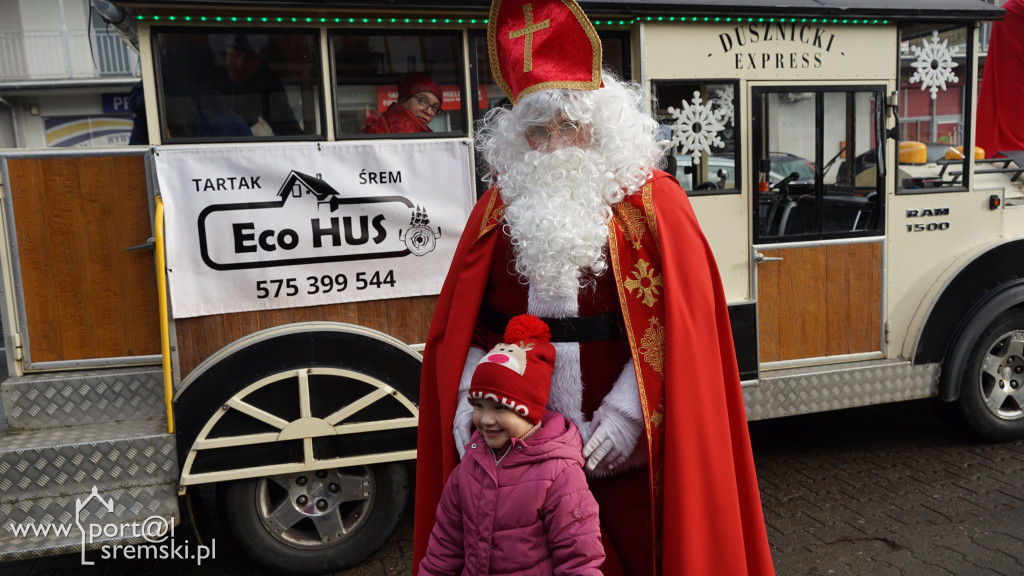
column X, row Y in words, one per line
column 581, row 229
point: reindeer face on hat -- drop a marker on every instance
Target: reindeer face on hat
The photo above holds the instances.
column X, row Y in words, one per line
column 511, row 356
column 517, row 373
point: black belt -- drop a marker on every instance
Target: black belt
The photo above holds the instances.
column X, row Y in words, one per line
column 579, row 329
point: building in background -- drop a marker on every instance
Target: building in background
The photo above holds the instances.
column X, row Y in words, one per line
column 65, row 76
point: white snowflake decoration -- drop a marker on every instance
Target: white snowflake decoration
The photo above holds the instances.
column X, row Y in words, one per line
column 934, row 64
column 723, row 100
column 696, row 127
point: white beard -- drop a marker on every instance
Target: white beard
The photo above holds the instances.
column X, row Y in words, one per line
column 557, row 216
column 557, row 211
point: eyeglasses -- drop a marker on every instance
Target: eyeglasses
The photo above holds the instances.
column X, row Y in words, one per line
column 424, row 104
column 539, row 133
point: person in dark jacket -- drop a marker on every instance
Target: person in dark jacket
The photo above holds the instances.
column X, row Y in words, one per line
column 254, row 91
column 518, row 503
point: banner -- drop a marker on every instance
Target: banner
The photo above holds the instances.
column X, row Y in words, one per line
column 282, row 226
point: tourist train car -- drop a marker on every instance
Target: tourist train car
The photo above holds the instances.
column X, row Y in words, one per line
column 240, row 302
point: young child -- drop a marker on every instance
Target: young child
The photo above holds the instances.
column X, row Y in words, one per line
column 518, row 503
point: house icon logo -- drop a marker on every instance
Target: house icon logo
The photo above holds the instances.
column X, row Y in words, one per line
column 79, row 505
column 310, row 222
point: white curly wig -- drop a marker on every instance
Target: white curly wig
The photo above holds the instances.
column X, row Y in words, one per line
column 558, row 203
column 623, row 132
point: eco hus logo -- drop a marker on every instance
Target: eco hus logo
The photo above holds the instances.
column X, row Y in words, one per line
column 149, row 539
column 312, row 223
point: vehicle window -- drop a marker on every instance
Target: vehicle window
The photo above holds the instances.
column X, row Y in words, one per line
column 817, row 163
column 932, row 103
column 398, row 83
column 238, row 85
column 699, row 119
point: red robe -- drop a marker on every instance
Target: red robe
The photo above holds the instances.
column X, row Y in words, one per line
column 1001, row 95
column 701, row 482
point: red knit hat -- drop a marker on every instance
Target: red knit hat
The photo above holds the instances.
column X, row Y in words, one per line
column 416, row 82
column 538, row 45
column 518, row 372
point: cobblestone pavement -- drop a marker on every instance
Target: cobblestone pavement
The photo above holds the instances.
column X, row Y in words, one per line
column 879, row 491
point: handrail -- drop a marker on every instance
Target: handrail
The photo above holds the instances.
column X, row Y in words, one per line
column 41, row 55
column 161, row 291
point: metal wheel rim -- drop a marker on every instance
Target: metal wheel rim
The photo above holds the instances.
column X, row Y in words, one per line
column 305, row 510
column 1001, row 378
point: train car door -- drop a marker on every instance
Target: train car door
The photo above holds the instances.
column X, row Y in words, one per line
column 818, row 160
column 79, row 224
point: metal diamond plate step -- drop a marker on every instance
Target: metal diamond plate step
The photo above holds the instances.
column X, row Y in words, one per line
column 837, row 386
column 55, row 399
column 63, row 461
column 143, row 505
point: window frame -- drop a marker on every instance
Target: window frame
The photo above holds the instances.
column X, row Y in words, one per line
column 736, row 125
column 464, row 111
column 757, row 136
column 967, row 114
column 165, row 138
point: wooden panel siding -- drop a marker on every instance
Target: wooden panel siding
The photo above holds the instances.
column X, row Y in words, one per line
column 406, row 319
column 86, row 297
column 820, row 301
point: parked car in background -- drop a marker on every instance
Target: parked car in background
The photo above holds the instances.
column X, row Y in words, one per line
column 722, row 170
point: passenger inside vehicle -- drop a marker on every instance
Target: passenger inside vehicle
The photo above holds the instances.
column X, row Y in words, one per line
column 419, row 102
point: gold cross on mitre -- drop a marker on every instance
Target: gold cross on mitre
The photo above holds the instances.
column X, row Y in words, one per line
column 528, row 31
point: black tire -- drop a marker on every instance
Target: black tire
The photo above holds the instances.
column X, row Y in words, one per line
column 992, row 384
column 347, row 515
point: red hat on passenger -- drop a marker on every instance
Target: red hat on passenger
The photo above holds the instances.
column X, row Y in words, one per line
column 518, row 372
column 538, row 45
column 416, row 82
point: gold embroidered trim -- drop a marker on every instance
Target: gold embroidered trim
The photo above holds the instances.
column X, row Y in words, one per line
column 613, row 256
column 528, row 31
column 658, row 417
column 645, row 283
column 647, row 195
column 492, row 50
column 633, row 222
column 652, row 346
column 493, row 214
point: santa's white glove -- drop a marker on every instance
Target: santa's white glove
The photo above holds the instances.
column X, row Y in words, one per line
column 613, row 440
column 462, row 426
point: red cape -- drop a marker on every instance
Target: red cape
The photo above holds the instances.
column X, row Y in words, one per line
column 705, row 487
column 1001, row 96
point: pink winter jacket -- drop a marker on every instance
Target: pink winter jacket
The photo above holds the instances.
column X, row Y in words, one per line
column 532, row 514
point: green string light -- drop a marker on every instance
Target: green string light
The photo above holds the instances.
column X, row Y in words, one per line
column 475, row 21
